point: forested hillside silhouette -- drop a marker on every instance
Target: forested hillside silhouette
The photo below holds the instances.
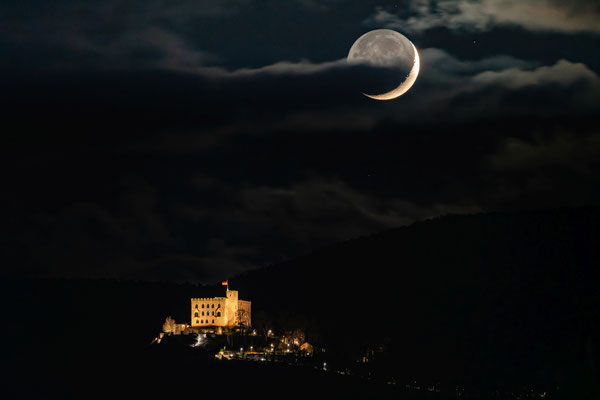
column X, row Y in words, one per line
column 495, row 300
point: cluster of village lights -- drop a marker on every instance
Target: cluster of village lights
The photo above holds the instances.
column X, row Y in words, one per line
column 269, row 332
column 201, row 341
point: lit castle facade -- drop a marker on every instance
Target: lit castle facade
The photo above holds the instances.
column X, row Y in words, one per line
column 221, row 312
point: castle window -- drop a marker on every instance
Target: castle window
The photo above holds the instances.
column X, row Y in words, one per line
column 196, row 314
column 202, row 305
column 213, row 306
column 197, row 321
column 213, row 321
column 196, row 306
column 203, row 313
column 218, row 313
column 213, row 313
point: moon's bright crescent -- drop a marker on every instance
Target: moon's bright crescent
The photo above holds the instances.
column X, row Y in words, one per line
column 405, row 85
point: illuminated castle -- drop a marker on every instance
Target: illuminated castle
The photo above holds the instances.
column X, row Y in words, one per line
column 221, row 312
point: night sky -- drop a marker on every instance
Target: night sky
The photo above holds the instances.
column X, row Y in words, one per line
column 194, row 140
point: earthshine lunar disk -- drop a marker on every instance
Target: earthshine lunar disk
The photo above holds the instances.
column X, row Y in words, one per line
column 387, row 48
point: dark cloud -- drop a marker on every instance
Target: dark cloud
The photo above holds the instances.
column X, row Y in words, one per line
column 149, row 144
column 68, row 34
column 570, row 16
column 564, row 149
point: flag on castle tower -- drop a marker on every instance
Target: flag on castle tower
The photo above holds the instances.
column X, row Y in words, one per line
column 224, row 283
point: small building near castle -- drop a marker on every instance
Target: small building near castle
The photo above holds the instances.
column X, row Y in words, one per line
column 221, row 312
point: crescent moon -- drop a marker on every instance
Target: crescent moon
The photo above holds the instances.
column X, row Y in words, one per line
column 405, row 85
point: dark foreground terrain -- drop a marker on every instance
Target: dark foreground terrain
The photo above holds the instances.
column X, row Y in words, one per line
column 168, row 372
column 495, row 303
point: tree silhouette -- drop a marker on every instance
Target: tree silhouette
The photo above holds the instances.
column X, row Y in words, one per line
column 263, row 323
column 241, row 319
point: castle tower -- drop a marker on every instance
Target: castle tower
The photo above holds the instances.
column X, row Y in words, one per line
column 231, row 307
